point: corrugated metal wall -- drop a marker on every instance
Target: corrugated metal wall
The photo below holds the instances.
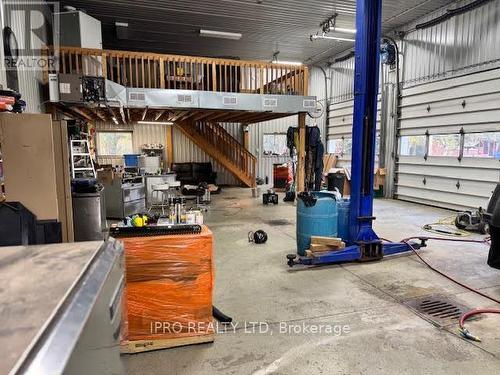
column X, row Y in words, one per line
column 265, row 162
column 463, row 44
column 342, row 80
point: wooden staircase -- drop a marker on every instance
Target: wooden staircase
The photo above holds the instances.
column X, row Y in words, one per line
column 220, row 145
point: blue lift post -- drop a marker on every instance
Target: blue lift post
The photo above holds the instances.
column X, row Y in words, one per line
column 363, row 243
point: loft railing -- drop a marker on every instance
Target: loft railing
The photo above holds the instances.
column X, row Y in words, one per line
column 150, row 70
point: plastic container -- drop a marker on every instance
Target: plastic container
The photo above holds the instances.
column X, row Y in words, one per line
column 131, row 160
column 321, row 219
column 343, row 219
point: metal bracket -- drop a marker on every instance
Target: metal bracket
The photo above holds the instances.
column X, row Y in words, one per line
column 371, row 251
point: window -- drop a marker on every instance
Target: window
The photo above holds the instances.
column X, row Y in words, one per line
column 444, row 145
column 482, row 145
column 114, row 143
column 413, row 145
column 275, row 144
column 334, row 146
column 347, row 151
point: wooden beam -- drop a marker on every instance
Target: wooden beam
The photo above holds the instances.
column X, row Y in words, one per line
column 99, row 114
column 82, row 113
column 301, row 153
column 178, row 115
column 170, row 146
column 159, row 114
column 144, row 113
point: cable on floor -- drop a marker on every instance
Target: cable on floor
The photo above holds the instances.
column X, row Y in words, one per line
column 445, row 226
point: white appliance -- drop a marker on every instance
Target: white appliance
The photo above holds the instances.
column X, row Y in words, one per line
column 149, row 164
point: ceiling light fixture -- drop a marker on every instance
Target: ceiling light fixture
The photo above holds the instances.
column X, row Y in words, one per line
column 220, row 34
column 295, row 63
column 332, row 37
column 115, row 120
column 155, row 122
column 343, row 30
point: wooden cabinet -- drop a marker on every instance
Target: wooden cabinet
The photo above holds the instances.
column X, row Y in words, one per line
column 36, row 166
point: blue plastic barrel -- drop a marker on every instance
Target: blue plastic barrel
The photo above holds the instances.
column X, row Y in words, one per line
column 343, row 220
column 131, row 160
column 317, row 220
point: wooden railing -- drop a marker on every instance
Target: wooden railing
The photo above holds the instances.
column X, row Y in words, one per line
column 223, row 144
column 150, row 70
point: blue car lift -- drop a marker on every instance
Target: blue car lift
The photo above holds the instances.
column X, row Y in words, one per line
column 363, row 243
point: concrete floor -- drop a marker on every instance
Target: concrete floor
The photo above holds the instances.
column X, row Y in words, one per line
column 254, row 284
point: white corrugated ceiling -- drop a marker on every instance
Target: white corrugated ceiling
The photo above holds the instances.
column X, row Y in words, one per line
column 172, row 26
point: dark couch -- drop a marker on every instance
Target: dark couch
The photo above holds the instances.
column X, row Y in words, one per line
column 194, row 173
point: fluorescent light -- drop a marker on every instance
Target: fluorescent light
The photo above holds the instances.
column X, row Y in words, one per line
column 115, row 120
column 220, row 34
column 332, row 38
column 296, row 63
column 343, row 30
column 155, row 122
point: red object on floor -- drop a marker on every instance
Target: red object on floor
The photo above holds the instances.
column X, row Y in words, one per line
column 282, row 176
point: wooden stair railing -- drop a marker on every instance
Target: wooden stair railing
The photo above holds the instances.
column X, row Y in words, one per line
column 222, row 146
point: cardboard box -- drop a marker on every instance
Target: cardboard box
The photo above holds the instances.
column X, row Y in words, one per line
column 105, row 176
column 379, row 179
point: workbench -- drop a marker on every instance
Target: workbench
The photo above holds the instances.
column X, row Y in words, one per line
column 57, row 302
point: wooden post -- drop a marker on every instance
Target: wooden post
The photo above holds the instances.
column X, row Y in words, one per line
column 306, row 81
column 246, row 136
column 170, row 146
column 301, row 153
column 104, row 65
column 261, row 88
column 162, row 73
column 214, row 77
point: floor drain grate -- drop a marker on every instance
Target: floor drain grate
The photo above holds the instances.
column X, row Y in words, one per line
column 439, row 309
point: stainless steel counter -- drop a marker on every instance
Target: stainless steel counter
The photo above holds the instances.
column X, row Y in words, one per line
column 60, row 308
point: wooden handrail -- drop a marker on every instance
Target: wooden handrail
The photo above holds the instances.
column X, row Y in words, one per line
column 226, row 145
column 153, row 70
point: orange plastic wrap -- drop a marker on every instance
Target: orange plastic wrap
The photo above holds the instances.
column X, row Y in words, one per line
column 169, row 286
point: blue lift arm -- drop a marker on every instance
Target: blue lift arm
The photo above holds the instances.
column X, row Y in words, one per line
column 363, row 243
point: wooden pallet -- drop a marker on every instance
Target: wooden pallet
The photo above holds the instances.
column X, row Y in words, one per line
column 139, row 346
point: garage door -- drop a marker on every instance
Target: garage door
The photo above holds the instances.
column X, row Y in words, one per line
column 340, row 131
column 449, row 141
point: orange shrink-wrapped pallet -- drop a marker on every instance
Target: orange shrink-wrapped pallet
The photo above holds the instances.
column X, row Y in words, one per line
column 168, row 294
